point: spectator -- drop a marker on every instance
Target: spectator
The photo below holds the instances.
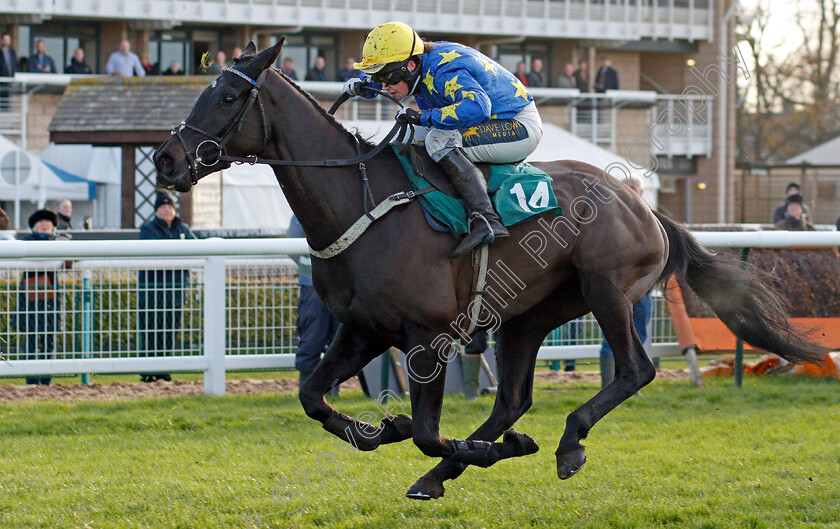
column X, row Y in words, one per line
column 161, row 292
column 794, row 216
column 38, row 305
column 520, row 73
column 348, row 72
column 218, row 63
column 779, row 214
column 581, row 76
column 535, row 76
column 78, row 64
column 316, row 327
column 40, row 62
column 288, row 69
column 174, row 69
column 567, row 78
column 124, row 63
column 147, row 66
column 642, row 310
column 318, row 71
column 64, row 209
column 8, row 67
column 607, row 78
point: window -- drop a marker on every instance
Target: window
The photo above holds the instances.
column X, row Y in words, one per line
column 61, row 41
column 509, row 55
column 305, row 48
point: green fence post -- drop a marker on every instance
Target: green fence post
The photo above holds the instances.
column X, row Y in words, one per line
column 739, row 344
column 385, row 377
column 86, row 319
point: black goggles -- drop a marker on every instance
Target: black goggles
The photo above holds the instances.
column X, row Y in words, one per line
column 391, row 77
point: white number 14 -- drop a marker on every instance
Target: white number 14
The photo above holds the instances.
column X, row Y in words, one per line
column 538, row 200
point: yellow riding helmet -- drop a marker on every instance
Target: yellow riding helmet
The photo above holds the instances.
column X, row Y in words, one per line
column 388, row 43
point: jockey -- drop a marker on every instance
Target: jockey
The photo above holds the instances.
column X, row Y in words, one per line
column 471, row 110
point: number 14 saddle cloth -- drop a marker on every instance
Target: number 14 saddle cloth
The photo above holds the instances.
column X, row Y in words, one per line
column 518, row 191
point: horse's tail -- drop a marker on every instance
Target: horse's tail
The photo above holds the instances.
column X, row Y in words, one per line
column 753, row 311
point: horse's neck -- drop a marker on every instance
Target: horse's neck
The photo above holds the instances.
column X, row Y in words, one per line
column 326, row 201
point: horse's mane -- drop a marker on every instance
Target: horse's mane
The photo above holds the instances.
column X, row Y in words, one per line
column 329, row 117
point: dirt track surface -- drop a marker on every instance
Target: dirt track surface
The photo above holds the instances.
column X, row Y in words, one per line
column 122, row 390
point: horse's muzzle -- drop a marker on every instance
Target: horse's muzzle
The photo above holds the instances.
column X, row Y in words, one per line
column 169, row 175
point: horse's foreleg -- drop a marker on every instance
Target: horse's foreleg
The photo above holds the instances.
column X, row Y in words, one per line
column 633, row 369
column 347, row 355
column 516, row 355
column 517, row 344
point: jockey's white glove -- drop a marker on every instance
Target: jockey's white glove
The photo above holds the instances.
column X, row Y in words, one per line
column 408, row 115
column 353, row 87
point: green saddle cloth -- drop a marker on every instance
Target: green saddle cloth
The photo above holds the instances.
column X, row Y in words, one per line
column 518, row 191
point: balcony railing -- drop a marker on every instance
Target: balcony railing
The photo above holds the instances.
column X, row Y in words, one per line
column 591, row 19
column 683, row 125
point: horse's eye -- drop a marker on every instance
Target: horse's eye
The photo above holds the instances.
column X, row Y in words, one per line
column 228, row 99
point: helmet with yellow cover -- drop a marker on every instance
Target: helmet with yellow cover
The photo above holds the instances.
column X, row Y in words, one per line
column 387, row 50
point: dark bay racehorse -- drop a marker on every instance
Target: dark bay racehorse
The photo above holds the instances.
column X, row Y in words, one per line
column 397, row 285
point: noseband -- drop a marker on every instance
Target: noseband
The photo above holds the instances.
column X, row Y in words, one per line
column 234, row 127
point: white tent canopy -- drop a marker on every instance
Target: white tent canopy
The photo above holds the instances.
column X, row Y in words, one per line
column 826, row 154
column 556, row 144
column 252, row 198
column 42, row 182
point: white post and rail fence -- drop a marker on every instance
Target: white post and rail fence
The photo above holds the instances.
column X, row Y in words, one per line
column 233, row 307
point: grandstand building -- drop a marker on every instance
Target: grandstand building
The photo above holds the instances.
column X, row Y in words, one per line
column 674, row 109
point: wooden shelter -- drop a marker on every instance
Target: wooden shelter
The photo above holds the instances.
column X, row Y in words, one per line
column 135, row 114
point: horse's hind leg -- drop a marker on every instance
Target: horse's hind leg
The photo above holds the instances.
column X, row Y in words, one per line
column 517, row 344
column 633, row 369
column 347, row 355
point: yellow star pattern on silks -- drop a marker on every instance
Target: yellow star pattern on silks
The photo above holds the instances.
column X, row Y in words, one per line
column 429, row 81
column 520, row 89
column 489, row 66
column 449, row 56
column 449, row 111
column 451, row 87
column 468, row 95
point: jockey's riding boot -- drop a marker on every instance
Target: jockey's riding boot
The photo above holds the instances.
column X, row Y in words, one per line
column 485, row 224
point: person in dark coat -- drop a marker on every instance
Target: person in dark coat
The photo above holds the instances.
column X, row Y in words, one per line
column 288, row 69
column 607, row 78
column 348, row 72
column 8, row 67
column 39, row 304
column 40, row 62
column 794, row 216
column 318, row 72
column 63, row 210
column 161, row 292
column 316, row 327
column 791, row 189
column 77, row 63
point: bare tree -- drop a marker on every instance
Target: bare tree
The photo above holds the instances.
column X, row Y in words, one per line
column 792, row 101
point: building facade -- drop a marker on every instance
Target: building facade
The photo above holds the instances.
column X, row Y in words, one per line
column 667, row 114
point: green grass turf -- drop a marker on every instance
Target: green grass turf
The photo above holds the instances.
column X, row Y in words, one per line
column 765, row 456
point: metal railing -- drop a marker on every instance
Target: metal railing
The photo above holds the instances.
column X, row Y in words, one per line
column 592, row 19
column 208, row 305
column 683, row 125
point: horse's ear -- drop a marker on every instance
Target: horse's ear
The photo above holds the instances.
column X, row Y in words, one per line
column 268, row 56
column 250, row 49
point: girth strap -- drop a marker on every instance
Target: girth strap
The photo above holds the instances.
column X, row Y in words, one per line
column 360, row 226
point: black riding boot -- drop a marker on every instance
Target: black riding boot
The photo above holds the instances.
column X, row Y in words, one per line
column 485, row 224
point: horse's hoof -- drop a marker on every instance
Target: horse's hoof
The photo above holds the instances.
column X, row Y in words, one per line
column 570, row 463
column 523, row 443
column 396, row 429
column 426, row 488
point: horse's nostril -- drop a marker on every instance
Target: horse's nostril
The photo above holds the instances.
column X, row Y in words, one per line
column 165, row 159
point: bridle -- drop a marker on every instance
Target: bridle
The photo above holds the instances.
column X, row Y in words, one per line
column 236, row 125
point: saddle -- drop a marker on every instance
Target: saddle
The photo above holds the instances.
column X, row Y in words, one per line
column 519, row 191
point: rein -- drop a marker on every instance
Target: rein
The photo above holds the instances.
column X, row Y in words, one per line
column 236, row 126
